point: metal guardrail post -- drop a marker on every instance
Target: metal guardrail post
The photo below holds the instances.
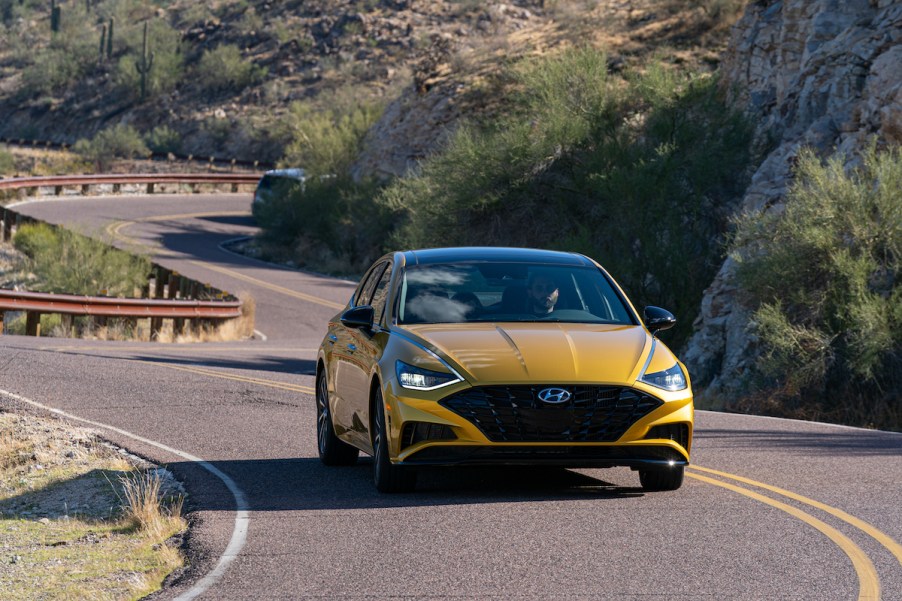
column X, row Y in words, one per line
column 32, row 323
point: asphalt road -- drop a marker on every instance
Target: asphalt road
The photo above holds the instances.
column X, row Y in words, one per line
column 771, row 509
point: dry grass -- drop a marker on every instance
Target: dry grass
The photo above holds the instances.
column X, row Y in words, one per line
column 233, row 329
column 146, row 506
column 81, row 520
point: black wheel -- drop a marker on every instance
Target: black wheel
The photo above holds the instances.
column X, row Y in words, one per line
column 332, row 450
column 388, row 477
column 669, row 478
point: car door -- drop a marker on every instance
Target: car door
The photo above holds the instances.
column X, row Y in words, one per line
column 370, row 346
column 350, row 355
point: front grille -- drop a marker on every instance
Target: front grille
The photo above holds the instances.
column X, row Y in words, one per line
column 515, row 413
column 679, row 433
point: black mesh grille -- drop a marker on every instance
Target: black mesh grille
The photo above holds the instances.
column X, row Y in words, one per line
column 678, row 433
column 515, row 413
column 415, row 432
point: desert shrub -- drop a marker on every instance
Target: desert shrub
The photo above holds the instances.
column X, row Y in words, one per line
column 167, row 68
column 116, row 142
column 7, row 162
column 224, row 69
column 164, row 139
column 13, row 10
column 330, row 223
column 824, row 279
column 637, row 173
column 720, row 10
column 66, row 262
column 327, row 141
column 68, row 57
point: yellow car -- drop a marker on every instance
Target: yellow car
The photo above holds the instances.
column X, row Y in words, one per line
column 500, row 356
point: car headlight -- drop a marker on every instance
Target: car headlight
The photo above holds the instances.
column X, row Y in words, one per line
column 418, row 378
column 669, row 379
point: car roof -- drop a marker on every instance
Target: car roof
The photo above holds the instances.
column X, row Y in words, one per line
column 294, row 173
column 493, row 254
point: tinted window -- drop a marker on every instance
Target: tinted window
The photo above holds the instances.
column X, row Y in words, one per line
column 462, row 292
column 365, row 290
column 380, row 294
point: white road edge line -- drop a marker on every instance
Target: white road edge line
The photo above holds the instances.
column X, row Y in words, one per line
column 239, row 532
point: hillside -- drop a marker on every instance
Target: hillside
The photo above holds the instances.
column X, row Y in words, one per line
column 226, row 72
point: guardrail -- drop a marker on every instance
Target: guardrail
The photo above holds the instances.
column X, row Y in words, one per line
column 165, row 290
column 60, row 182
column 35, row 304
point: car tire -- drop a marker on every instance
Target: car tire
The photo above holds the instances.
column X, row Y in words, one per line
column 332, row 450
column 389, row 478
column 670, row 478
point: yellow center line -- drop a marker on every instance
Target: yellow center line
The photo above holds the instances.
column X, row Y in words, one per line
column 273, row 287
column 115, row 228
column 868, row 581
column 891, row 545
column 249, row 380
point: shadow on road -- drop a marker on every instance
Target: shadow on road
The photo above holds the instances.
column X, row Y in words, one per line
column 306, row 484
column 270, row 363
column 854, row 442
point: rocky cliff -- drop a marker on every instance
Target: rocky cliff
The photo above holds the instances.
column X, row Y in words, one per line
column 820, row 73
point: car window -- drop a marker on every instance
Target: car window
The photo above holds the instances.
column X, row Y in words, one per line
column 463, row 292
column 380, row 295
column 365, row 290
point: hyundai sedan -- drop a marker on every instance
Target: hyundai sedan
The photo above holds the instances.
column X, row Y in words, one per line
column 500, row 356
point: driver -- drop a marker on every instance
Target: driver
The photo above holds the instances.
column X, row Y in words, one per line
column 542, row 294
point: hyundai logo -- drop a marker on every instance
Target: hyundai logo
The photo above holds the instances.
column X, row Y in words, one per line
column 554, row 396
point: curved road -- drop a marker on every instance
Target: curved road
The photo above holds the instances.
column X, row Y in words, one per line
column 771, row 509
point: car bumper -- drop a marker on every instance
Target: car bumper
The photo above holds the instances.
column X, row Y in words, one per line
column 574, row 456
column 659, row 438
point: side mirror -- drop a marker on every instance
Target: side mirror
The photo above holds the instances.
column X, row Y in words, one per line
column 358, row 317
column 658, row 319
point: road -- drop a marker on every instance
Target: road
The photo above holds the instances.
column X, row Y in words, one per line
column 771, row 509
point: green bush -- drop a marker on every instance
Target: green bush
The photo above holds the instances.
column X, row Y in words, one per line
column 7, row 162
column 69, row 57
column 224, row 69
column 330, row 223
column 116, row 142
column 638, row 174
column 327, row 141
column 824, row 279
column 66, row 262
column 164, row 139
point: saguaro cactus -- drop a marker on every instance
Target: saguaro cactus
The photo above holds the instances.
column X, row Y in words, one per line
column 109, row 39
column 144, row 64
column 55, row 15
column 102, row 42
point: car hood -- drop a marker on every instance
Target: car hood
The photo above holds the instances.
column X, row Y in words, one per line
column 540, row 352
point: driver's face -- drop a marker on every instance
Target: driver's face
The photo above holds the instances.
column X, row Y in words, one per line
column 543, row 292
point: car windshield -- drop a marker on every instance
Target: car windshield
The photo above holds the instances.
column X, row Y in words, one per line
column 505, row 292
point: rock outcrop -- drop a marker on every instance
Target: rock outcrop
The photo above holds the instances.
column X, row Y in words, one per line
column 826, row 74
